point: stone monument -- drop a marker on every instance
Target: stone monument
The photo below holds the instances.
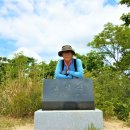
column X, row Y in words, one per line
column 68, row 104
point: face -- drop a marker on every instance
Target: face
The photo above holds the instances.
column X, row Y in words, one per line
column 67, row 55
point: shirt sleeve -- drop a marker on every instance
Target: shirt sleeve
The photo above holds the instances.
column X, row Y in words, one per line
column 58, row 74
column 79, row 73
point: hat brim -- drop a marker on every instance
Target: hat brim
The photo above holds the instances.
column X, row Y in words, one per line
column 60, row 52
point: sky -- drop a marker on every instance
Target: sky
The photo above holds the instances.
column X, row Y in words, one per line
column 40, row 28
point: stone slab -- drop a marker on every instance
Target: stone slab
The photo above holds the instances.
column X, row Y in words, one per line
column 68, row 94
column 68, row 120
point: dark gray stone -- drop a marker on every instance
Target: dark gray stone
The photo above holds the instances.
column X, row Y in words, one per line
column 68, row 94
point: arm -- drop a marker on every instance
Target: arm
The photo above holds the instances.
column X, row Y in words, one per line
column 79, row 72
column 58, row 74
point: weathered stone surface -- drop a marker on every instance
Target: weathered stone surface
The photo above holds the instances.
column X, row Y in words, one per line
column 68, row 94
column 68, row 120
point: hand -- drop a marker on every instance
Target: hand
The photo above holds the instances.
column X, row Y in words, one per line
column 69, row 77
column 69, row 72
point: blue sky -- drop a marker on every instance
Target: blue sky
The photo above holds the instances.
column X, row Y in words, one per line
column 7, row 46
column 111, row 2
column 41, row 27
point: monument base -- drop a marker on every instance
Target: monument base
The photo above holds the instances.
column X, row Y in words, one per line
column 68, row 120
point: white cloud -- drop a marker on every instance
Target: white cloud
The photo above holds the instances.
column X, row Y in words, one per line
column 44, row 26
column 27, row 53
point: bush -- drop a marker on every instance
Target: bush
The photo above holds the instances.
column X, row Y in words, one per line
column 112, row 93
column 107, row 108
column 25, row 103
column 122, row 111
column 21, row 86
column 22, row 99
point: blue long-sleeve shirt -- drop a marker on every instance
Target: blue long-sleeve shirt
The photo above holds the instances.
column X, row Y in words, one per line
column 71, row 72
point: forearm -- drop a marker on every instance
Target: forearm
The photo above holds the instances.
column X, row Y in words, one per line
column 76, row 74
column 62, row 76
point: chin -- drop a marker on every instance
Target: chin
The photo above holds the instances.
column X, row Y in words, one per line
column 68, row 59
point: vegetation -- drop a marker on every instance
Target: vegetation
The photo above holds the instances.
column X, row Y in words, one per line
column 8, row 123
column 20, row 86
column 126, row 17
column 92, row 127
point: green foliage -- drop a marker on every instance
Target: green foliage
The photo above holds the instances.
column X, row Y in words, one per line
column 126, row 17
column 3, row 64
column 20, row 87
column 122, row 111
column 25, row 103
column 112, row 93
column 127, row 2
column 21, row 99
column 50, row 69
column 92, row 61
column 114, row 43
column 112, row 83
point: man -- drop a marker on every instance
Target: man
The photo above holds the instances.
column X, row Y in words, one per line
column 69, row 67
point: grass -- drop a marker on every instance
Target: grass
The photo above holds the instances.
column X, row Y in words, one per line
column 92, row 127
column 7, row 123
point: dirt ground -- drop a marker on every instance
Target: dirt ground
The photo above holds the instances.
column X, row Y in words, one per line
column 108, row 125
column 115, row 125
column 26, row 127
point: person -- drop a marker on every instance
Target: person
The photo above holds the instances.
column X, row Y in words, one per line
column 68, row 67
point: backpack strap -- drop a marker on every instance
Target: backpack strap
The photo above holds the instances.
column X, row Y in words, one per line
column 75, row 65
column 62, row 65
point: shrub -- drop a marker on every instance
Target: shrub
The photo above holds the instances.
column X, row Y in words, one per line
column 22, row 99
column 112, row 93
column 122, row 111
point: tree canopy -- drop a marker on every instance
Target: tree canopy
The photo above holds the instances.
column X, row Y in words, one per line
column 126, row 17
column 114, row 43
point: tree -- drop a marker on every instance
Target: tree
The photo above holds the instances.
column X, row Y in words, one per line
column 114, row 43
column 3, row 63
column 92, row 63
column 83, row 59
column 126, row 17
column 50, row 69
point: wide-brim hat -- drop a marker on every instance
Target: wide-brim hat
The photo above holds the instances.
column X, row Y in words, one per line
column 66, row 48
